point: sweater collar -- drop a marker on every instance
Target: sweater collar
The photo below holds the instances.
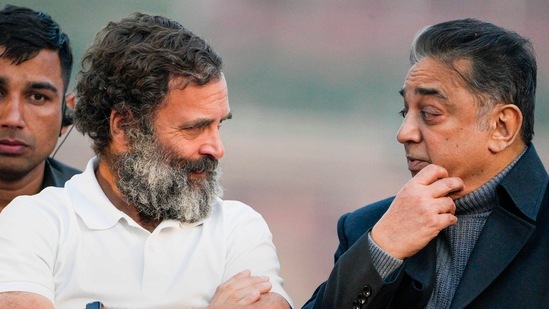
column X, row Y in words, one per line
column 483, row 199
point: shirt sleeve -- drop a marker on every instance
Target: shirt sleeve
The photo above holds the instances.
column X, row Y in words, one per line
column 28, row 241
column 250, row 246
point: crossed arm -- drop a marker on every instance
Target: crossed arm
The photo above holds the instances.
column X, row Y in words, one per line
column 245, row 289
column 241, row 291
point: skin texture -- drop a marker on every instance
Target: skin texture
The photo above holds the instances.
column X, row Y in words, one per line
column 441, row 125
column 241, row 289
column 24, row 300
column 31, row 95
column 451, row 150
column 190, row 121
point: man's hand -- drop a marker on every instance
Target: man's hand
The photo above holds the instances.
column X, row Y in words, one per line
column 421, row 209
column 241, row 289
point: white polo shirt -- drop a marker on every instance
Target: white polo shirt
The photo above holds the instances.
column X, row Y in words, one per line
column 73, row 246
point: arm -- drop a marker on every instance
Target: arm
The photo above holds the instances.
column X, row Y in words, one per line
column 421, row 209
column 353, row 272
column 24, row 300
column 419, row 212
column 250, row 247
column 244, row 289
column 28, row 240
column 272, row 300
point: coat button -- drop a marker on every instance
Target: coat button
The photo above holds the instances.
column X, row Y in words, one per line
column 356, row 304
column 367, row 291
column 362, row 297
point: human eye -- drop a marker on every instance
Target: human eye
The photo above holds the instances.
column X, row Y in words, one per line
column 426, row 115
column 194, row 129
column 403, row 112
column 430, row 115
column 38, row 98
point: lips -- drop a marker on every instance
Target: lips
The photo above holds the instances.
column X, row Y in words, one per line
column 415, row 164
column 12, row 147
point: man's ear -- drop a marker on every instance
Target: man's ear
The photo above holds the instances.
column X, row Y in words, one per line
column 70, row 104
column 117, row 123
column 70, row 100
column 505, row 125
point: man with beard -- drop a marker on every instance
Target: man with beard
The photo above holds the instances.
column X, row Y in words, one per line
column 470, row 229
column 35, row 68
column 144, row 225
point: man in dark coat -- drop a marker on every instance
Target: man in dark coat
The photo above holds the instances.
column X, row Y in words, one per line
column 471, row 228
column 35, row 66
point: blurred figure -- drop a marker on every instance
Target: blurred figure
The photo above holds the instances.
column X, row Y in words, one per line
column 470, row 228
column 144, row 225
column 35, row 68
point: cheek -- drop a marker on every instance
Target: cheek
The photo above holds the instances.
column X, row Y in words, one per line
column 46, row 127
column 190, row 149
column 443, row 149
column 179, row 148
column 456, row 153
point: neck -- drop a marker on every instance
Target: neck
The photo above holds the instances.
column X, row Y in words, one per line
column 106, row 179
column 499, row 162
column 29, row 184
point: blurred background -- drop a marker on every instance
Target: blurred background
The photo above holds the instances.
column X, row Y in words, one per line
column 313, row 86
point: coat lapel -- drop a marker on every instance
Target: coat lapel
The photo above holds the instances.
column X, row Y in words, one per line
column 502, row 238
column 507, row 229
column 422, row 266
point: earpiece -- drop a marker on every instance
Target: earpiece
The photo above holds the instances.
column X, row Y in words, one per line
column 68, row 115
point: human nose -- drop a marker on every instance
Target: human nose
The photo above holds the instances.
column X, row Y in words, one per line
column 409, row 131
column 213, row 146
column 11, row 114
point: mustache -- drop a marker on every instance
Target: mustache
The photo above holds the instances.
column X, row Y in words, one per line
column 206, row 164
column 12, row 134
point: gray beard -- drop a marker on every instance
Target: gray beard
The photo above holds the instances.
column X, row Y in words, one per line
column 158, row 183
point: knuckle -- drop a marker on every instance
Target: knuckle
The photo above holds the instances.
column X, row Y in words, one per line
column 220, row 289
column 229, row 286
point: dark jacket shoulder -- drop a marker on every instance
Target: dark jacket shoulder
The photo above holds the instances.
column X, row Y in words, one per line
column 57, row 173
column 355, row 224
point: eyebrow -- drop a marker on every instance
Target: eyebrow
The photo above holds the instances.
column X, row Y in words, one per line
column 34, row 85
column 44, row 86
column 205, row 122
column 425, row 92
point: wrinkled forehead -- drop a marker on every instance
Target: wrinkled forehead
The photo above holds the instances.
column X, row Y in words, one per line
column 434, row 71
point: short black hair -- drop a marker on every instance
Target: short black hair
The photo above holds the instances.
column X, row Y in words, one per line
column 24, row 32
